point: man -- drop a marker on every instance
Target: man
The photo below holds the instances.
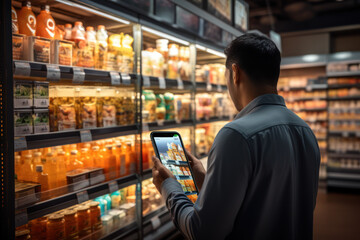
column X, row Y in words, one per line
column 261, row 181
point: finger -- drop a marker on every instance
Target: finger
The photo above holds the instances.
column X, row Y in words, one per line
column 156, row 162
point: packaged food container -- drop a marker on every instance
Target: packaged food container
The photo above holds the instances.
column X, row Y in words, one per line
column 38, row 228
column 61, row 52
column 22, row 234
column 95, row 216
column 56, row 226
column 95, row 175
column 114, row 53
column 41, row 121
column 183, row 106
column 23, row 122
column 129, row 209
column 106, row 107
column 37, row 49
column 23, row 94
column 149, row 105
column 170, row 106
column 115, row 213
column 77, row 179
column 160, row 107
column 62, row 108
column 18, row 46
column 125, row 107
column 26, row 193
column 107, row 224
column 41, row 94
column 85, row 105
column 84, row 222
column 184, row 65
column 127, row 54
column 71, row 225
column 173, row 62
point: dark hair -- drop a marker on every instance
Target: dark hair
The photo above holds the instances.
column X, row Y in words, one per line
column 257, row 56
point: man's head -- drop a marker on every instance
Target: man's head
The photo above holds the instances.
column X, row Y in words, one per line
column 252, row 67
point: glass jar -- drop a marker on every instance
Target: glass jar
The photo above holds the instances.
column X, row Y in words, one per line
column 56, row 227
column 84, row 226
column 23, row 234
column 38, row 228
column 71, row 224
column 95, row 216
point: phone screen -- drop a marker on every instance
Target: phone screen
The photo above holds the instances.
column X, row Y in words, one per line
column 172, row 155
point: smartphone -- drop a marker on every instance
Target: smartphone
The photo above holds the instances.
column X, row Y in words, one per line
column 169, row 148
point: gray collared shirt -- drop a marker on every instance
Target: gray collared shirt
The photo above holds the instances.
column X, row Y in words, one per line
column 261, row 181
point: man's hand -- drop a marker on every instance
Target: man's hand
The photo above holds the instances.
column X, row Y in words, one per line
column 160, row 173
column 197, row 168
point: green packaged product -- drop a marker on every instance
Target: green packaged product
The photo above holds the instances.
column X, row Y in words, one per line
column 170, row 106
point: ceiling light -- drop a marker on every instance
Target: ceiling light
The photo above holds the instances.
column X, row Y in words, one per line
column 310, row 58
column 342, row 55
column 217, row 53
column 200, row 47
column 164, row 35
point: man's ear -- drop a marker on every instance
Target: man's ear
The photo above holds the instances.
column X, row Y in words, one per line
column 235, row 74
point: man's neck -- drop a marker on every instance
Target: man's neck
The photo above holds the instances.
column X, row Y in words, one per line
column 256, row 92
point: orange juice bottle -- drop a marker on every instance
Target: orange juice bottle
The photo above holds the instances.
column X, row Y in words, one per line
column 101, row 47
column 110, row 162
column 85, row 158
column 29, row 174
column 89, row 53
column 45, row 24
column 61, row 168
column 42, row 178
column 78, row 36
column 14, row 21
column 145, row 154
column 97, row 157
column 18, row 167
column 27, row 20
column 51, row 169
column 120, row 159
column 68, row 30
column 130, row 158
column 74, row 162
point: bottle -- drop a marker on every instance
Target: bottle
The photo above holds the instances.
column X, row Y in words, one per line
column 108, row 202
column 115, row 200
column 61, row 168
column 14, row 21
column 101, row 47
column 37, row 159
column 89, row 53
column 51, row 169
column 95, row 217
column 74, row 162
column 27, row 20
column 28, row 169
column 120, row 160
column 132, row 166
column 78, row 36
column 114, row 50
column 98, row 158
column 42, row 178
column 38, row 228
column 85, row 157
column 71, row 224
column 59, row 32
column 84, row 227
column 55, row 227
column 68, row 30
column 18, row 167
column 45, row 24
column 110, row 163
column 102, row 204
column 145, row 154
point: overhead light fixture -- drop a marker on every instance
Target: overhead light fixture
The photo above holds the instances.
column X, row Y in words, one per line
column 99, row 13
column 217, row 53
column 165, row 35
column 200, row 47
column 310, row 58
column 342, row 55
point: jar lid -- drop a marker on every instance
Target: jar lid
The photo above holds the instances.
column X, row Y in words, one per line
column 94, row 204
column 56, row 217
column 69, row 212
column 83, row 208
column 22, row 232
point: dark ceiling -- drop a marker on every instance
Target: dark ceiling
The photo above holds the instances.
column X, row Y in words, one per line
column 291, row 15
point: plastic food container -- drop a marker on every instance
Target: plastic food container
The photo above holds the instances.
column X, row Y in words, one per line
column 61, row 52
column 62, row 108
column 41, row 94
column 41, row 121
column 85, row 105
column 23, row 122
column 23, row 94
column 106, row 106
column 37, row 49
column 18, row 46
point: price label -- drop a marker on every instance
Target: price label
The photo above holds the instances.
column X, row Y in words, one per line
column 357, row 134
column 115, row 78
column 125, row 79
column 145, row 127
column 345, row 134
column 146, row 81
column 160, row 122
column 22, row 69
column 113, row 186
column 180, row 83
column 287, row 88
column 78, row 75
column 162, row 83
column 52, row 72
column 82, row 196
column 208, row 86
column 219, row 88
column 178, row 121
column 309, row 88
column 20, row 143
column 207, row 118
column 155, row 222
column 85, row 136
column 21, row 218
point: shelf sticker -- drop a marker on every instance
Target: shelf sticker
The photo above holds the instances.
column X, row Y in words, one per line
column 286, row 88
column 178, row 121
column 85, row 136
column 115, row 78
column 357, row 134
column 160, row 122
column 125, row 78
column 52, row 72
column 78, row 75
column 345, row 134
column 145, row 127
column 162, row 83
column 113, row 186
column 155, row 222
column 21, row 218
column 208, row 87
column 309, row 88
column 22, row 69
column 20, row 144
column 180, row 83
column 82, row 196
column 219, row 88
column 146, row 81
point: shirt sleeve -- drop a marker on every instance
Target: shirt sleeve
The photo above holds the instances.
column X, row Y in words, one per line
column 214, row 213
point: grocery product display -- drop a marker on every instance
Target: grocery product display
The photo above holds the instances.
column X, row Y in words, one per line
column 205, row 135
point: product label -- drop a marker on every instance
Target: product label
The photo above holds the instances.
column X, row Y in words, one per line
column 85, row 136
column 113, row 186
column 115, row 78
column 82, row 197
column 41, row 95
column 22, row 69
column 41, row 50
column 53, row 72
column 146, row 81
column 23, row 95
column 162, row 83
column 17, row 47
column 78, row 75
column 125, row 78
column 65, row 53
column 23, row 122
column 41, row 122
column 20, row 143
column 180, row 83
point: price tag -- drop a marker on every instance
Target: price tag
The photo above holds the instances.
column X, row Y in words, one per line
column 22, row 69
column 287, row 88
column 146, row 81
column 178, row 121
column 345, row 134
column 155, row 222
column 180, row 83
column 219, row 88
column 208, row 87
column 160, row 122
column 207, row 118
column 82, row 196
column 85, row 136
column 115, row 78
column 145, row 127
column 162, row 83
column 125, row 78
column 20, row 143
column 357, row 134
column 21, row 218
column 309, row 88
column 78, row 75
column 52, row 72
column 113, row 186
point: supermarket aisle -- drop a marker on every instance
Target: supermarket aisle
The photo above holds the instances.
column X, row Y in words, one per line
column 337, row 216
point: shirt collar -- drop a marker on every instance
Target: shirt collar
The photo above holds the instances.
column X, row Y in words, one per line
column 266, row 99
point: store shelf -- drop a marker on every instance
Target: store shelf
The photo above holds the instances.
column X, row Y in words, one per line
column 68, row 200
column 158, row 224
column 204, row 87
column 355, row 155
column 337, row 86
column 39, row 70
column 343, row 98
column 129, row 231
column 342, row 133
column 212, row 119
column 305, row 99
column 343, row 170
column 166, row 83
column 343, row 74
column 308, row 88
column 147, row 174
column 308, row 109
column 343, row 184
column 161, row 125
column 314, row 120
column 70, row 137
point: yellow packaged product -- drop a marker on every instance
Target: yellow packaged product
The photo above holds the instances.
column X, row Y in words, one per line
column 62, row 112
column 85, row 104
column 106, row 107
